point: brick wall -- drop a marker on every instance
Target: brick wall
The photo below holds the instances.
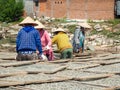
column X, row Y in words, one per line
column 92, row 9
column 56, row 8
column 80, row 9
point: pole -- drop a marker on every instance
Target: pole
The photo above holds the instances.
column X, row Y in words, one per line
column 86, row 2
column 52, row 8
column 68, row 6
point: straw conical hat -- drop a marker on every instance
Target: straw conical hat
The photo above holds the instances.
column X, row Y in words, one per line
column 85, row 25
column 28, row 20
column 40, row 25
column 59, row 30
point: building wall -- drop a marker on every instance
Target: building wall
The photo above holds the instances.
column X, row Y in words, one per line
column 28, row 5
column 56, row 8
column 92, row 9
column 78, row 9
column 42, row 7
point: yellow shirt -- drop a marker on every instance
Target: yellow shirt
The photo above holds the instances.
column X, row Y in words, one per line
column 62, row 41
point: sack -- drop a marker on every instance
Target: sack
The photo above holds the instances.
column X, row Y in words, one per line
column 43, row 57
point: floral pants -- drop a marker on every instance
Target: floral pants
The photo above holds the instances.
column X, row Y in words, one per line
column 26, row 56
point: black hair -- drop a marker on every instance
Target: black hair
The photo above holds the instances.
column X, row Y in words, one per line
column 83, row 30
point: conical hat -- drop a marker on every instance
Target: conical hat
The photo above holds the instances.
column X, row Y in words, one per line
column 28, row 20
column 59, row 30
column 40, row 25
column 85, row 25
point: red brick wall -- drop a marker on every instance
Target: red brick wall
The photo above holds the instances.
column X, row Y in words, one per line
column 102, row 9
column 79, row 9
column 56, row 8
column 92, row 9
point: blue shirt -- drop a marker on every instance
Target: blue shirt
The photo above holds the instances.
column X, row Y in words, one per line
column 28, row 39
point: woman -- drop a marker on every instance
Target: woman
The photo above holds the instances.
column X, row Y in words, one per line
column 63, row 43
column 45, row 41
column 79, row 37
column 27, row 41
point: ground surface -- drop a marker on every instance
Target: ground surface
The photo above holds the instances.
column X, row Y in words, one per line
column 96, row 71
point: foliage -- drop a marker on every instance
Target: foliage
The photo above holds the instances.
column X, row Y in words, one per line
column 115, row 35
column 71, row 28
column 90, row 21
column 113, row 21
column 109, row 34
column 11, row 10
column 60, row 20
column 94, row 32
column 7, row 40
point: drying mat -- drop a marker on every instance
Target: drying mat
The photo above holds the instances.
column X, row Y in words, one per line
column 113, row 81
column 42, row 68
column 113, row 68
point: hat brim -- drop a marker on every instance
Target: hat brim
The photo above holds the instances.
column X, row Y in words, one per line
column 33, row 24
column 40, row 25
column 85, row 25
column 58, row 31
column 28, row 21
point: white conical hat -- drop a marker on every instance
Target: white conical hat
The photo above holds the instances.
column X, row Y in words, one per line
column 40, row 25
column 85, row 25
column 59, row 30
column 28, row 20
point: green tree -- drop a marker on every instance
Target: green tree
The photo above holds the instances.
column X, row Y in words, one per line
column 11, row 10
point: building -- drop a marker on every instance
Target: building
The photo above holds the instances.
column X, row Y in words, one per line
column 73, row 9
